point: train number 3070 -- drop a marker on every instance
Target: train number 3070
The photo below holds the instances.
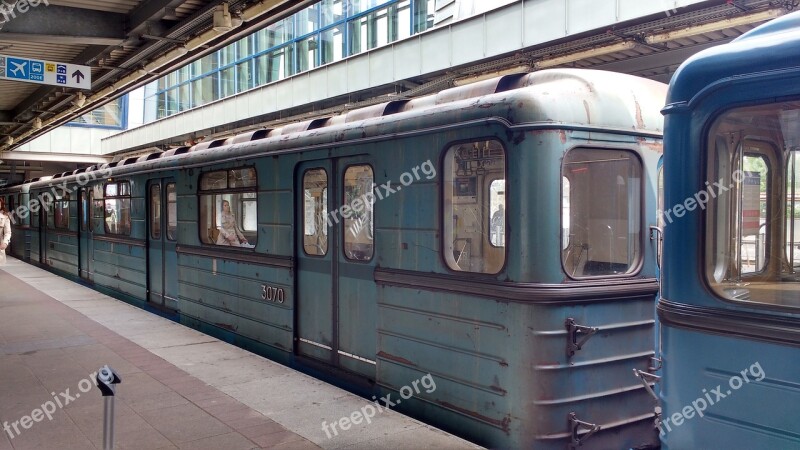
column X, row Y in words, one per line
column 273, row 294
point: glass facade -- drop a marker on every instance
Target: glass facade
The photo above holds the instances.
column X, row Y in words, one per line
column 325, row 32
column 111, row 115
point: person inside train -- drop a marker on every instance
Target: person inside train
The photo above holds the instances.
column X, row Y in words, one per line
column 5, row 231
column 229, row 233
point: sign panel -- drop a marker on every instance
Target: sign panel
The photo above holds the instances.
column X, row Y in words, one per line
column 45, row 72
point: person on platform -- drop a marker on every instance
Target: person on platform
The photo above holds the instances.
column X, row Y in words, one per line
column 5, row 230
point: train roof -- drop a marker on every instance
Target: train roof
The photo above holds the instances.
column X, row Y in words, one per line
column 554, row 98
column 770, row 47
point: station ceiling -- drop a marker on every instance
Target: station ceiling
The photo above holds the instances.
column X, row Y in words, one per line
column 128, row 43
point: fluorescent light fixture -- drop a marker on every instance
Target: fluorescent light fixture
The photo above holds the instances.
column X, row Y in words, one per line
column 37, row 123
column 695, row 30
column 591, row 53
column 223, row 21
column 9, row 141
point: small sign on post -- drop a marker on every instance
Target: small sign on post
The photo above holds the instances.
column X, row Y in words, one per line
column 45, row 72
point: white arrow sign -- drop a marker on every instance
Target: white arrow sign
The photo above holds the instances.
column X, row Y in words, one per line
column 45, row 72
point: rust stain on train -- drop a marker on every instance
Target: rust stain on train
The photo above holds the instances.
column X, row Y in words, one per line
column 502, row 424
column 398, row 359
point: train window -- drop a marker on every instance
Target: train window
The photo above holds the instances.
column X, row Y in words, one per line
column 497, row 206
column 117, row 211
column 98, row 214
column 155, row 211
column 358, row 234
column 753, row 227
column 315, row 194
column 84, row 210
column 228, row 208
column 61, row 211
column 474, row 221
column 172, row 212
column 601, row 208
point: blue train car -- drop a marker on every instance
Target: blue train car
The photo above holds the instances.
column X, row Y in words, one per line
column 491, row 240
column 729, row 307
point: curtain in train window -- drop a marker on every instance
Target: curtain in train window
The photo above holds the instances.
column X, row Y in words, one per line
column 315, row 217
column 229, row 208
column 602, row 212
column 474, row 207
column 117, row 213
column 753, row 227
column 358, row 226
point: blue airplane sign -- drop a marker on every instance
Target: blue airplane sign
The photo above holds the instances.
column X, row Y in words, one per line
column 45, row 72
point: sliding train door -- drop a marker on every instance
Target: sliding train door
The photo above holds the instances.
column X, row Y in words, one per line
column 336, row 296
column 162, row 262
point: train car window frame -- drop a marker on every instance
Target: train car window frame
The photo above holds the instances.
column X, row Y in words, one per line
column 238, row 187
column 154, row 195
column 355, row 226
column 575, row 256
column 464, row 200
column 172, row 212
column 315, row 214
column 117, row 208
column 730, row 136
column 61, row 211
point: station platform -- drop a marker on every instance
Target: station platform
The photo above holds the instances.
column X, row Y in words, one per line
column 180, row 388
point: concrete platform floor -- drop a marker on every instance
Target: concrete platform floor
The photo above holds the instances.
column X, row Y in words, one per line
column 180, row 388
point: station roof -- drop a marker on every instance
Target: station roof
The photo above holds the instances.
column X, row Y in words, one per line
column 126, row 44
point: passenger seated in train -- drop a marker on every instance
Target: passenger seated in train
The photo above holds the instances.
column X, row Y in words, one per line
column 229, row 234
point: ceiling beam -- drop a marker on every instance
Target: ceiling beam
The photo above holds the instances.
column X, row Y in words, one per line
column 54, row 157
column 66, row 25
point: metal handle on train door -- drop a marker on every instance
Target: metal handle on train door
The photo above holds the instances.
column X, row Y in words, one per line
column 653, row 230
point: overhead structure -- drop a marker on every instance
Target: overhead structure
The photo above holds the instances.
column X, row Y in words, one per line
column 124, row 43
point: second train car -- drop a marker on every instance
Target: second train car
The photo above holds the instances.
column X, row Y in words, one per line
column 493, row 236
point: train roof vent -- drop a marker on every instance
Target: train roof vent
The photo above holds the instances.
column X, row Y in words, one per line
column 249, row 136
column 65, row 174
column 36, row 179
column 418, row 103
column 383, row 109
column 176, row 151
column 149, row 157
column 58, row 175
column 77, row 171
column 128, row 161
column 212, row 144
column 113, row 164
column 305, row 125
column 480, row 88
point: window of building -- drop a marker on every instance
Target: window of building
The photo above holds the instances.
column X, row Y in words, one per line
column 602, row 204
column 316, row 221
column 117, row 212
column 358, row 225
column 229, row 208
column 311, row 37
column 474, row 220
column 752, row 240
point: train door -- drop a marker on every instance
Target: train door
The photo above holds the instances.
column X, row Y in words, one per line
column 336, row 308
column 162, row 270
column 85, row 235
